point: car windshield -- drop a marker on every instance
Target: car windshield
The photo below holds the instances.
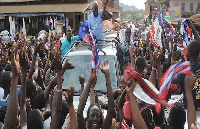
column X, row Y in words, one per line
column 82, row 66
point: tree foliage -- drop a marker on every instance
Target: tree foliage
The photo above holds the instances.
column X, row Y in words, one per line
column 132, row 16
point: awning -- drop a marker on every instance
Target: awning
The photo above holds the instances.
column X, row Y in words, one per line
column 44, row 8
column 32, row 14
column 15, row 0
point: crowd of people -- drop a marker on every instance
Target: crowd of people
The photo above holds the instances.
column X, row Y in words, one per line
column 31, row 84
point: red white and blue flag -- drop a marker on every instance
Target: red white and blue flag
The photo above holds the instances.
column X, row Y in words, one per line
column 186, row 33
column 179, row 68
column 87, row 36
column 171, row 31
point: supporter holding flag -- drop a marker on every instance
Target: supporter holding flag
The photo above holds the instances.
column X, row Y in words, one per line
column 186, row 33
column 86, row 35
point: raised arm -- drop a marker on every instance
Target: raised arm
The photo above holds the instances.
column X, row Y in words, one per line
column 83, row 99
column 81, row 80
column 69, row 99
column 24, row 64
column 120, row 106
column 131, row 56
column 110, row 113
column 137, row 119
column 67, row 65
column 196, row 36
column 37, row 47
column 191, row 113
column 153, row 71
column 11, row 112
column 104, row 12
column 58, row 94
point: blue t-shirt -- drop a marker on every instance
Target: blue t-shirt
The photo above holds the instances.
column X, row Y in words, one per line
column 95, row 24
column 5, row 102
column 66, row 45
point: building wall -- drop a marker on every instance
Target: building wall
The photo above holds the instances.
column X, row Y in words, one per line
column 111, row 7
column 174, row 3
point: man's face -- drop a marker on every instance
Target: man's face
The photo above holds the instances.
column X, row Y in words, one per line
column 69, row 34
column 95, row 11
column 127, row 35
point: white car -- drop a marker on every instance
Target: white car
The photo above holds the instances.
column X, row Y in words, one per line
column 80, row 55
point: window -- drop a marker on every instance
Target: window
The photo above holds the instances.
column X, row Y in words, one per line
column 176, row 4
column 183, row 7
column 191, row 7
column 198, row 7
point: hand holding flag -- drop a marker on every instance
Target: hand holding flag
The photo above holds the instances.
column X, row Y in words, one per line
column 87, row 36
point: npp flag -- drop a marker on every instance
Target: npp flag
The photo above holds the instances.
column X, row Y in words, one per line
column 51, row 24
column 164, row 34
column 130, row 73
column 179, row 68
column 24, row 27
column 87, row 36
column 151, row 34
column 171, row 30
column 156, row 31
column 12, row 28
column 186, row 33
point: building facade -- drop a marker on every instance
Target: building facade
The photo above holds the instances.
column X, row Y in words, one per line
column 68, row 12
column 112, row 6
column 187, row 7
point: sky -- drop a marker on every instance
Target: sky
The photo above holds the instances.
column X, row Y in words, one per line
column 137, row 3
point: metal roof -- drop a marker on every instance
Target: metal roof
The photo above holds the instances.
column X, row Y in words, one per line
column 44, row 8
column 17, row 0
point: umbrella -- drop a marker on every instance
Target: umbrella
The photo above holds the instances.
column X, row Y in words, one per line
column 107, row 25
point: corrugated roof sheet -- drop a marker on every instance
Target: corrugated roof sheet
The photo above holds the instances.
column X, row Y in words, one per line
column 44, row 8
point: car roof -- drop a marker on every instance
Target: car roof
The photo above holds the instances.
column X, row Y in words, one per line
column 84, row 49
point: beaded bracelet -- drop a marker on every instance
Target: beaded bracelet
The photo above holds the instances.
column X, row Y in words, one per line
column 58, row 90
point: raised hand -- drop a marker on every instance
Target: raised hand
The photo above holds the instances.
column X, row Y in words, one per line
column 68, row 65
column 37, row 47
column 15, row 60
column 130, row 86
column 58, row 59
column 81, row 79
column 105, row 2
column 23, row 59
column 69, row 95
column 92, row 74
column 157, row 55
column 104, row 66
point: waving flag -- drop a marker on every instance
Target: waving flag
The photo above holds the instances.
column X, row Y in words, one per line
column 24, row 27
column 151, row 34
column 130, row 73
column 158, row 31
column 171, row 31
column 186, row 33
column 87, row 36
column 175, row 69
column 51, row 24
column 161, row 19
